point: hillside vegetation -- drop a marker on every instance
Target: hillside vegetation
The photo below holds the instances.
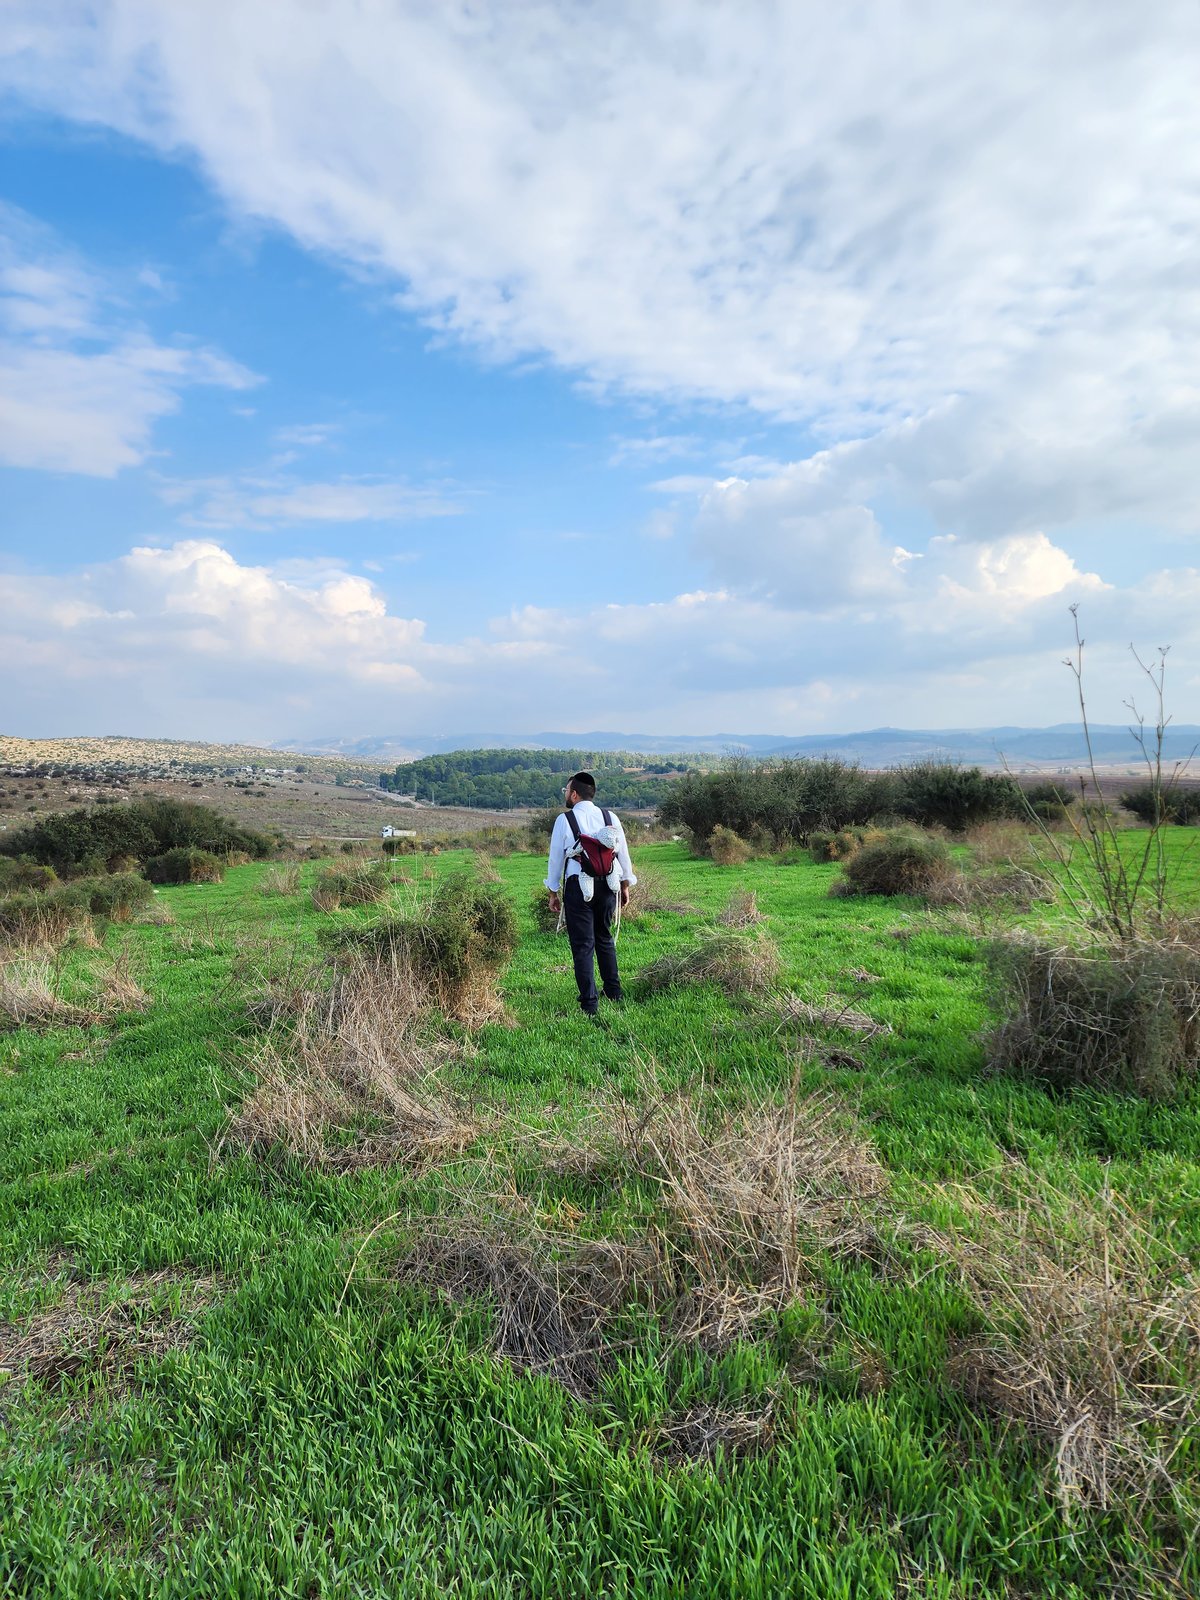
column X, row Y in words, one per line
column 343, row 1257
column 505, row 779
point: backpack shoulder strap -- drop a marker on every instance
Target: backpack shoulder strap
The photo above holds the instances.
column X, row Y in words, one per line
column 573, row 824
column 607, row 815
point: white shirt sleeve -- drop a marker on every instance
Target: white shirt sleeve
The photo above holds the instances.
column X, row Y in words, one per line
column 558, row 853
column 627, row 874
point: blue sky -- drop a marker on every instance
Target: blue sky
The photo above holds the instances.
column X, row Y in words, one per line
column 368, row 368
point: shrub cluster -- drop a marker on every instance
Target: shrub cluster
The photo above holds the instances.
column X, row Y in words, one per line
column 86, row 841
column 727, row 848
column 361, row 885
column 1150, row 803
column 786, row 803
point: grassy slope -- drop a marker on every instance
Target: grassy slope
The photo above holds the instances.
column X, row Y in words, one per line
column 292, row 1449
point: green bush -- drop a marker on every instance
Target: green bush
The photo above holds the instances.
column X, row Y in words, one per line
column 1124, row 1019
column 116, row 896
column 185, row 865
column 541, row 825
column 1151, row 804
column 16, row 875
column 941, row 794
column 28, row 916
column 1048, row 801
column 905, row 861
column 544, row 920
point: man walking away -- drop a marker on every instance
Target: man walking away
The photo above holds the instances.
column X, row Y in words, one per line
column 585, row 837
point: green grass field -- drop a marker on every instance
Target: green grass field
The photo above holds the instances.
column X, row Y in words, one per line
column 277, row 1433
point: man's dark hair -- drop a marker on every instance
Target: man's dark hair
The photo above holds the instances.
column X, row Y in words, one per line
column 584, row 785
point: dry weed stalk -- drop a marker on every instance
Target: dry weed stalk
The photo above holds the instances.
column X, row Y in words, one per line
column 1091, row 1340
column 353, row 1081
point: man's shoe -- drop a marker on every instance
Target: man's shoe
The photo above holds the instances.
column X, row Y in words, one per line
column 616, row 999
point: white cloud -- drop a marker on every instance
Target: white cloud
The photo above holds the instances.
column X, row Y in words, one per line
column 80, row 386
column 652, row 448
column 849, row 219
column 190, row 640
column 278, row 501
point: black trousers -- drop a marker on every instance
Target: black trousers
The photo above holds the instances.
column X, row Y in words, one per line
column 589, row 928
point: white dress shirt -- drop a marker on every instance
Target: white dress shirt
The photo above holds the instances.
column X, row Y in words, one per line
column 590, row 819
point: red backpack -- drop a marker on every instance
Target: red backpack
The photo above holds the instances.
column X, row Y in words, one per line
column 594, row 858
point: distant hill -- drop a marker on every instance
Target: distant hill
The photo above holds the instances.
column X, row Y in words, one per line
column 1048, row 748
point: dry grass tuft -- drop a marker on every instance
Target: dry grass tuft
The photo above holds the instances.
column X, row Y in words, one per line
column 105, row 1329
column 708, row 1434
column 1000, row 844
column 280, row 880
column 1091, row 1340
column 353, row 1082
column 830, row 1013
column 119, row 989
column 31, row 997
column 652, row 893
column 738, row 963
column 745, row 1200
column 157, row 914
column 742, row 910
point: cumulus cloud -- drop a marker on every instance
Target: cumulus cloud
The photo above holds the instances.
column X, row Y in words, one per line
column 81, row 386
column 189, row 637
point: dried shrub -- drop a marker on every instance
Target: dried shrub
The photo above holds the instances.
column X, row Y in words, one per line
column 901, row 862
column 451, row 944
column 36, row 992
column 364, row 884
column 825, row 846
column 726, row 848
column 830, row 1013
column 1116, row 1017
column 32, row 921
column 283, row 879
column 1091, row 1340
column 279, row 984
column 741, row 911
column 353, row 1081
column 738, row 963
